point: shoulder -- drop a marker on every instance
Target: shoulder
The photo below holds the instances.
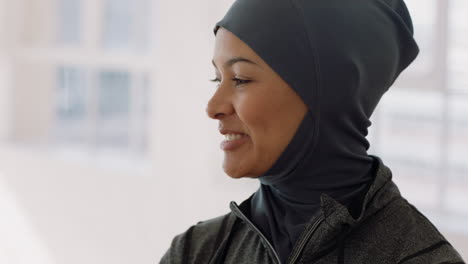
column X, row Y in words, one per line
column 424, row 242
column 409, row 236
column 199, row 241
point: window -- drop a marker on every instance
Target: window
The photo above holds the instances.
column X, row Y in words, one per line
column 69, row 14
column 125, row 24
column 70, row 105
column 421, row 126
column 90, row 81
column 112, row 114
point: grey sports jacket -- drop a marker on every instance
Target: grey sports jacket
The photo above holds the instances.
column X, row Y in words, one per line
column 388, row 230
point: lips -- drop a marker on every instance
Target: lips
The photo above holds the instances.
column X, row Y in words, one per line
column 233, row 132
column 233, row 142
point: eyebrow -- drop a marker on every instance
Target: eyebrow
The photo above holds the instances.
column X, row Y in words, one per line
column 234, row 60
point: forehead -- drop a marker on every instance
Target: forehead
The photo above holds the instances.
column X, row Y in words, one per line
column 228, row 47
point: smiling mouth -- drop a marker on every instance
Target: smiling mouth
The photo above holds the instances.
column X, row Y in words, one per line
column 229, row 137
column 233, row 141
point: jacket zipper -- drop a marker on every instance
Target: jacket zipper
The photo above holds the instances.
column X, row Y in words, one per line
column 306, row 239
column 301, row 244
column 256, row 230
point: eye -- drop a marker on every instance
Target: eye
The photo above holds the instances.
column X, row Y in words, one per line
column 237, row 80
column 240, row 81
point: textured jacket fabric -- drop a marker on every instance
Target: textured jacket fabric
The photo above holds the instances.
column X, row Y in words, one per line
column 389, row 229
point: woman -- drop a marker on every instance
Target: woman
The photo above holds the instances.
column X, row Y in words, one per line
column 298, row 82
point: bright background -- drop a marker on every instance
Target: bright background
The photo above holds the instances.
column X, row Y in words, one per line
column 106, row 152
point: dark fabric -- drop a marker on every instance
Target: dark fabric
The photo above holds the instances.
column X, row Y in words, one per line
column 340, row 56
column 388, row 230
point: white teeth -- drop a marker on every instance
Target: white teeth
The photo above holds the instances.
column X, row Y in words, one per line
column 230, row 137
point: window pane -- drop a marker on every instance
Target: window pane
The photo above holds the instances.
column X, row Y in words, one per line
column 458, row 135
column 409, row 131
column 423, row 13
column 68, row 21
column 141, row 113
column 70, row 104
column 411, row 122
column 114, row 94
column 146, row 96
column 458, row 51
column 118, row 23
column 126, row 24
column 457, row 198
column 113, row 108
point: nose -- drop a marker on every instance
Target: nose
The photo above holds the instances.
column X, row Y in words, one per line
column 219, row 105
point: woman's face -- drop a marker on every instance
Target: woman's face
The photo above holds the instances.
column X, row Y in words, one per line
column 251, row 100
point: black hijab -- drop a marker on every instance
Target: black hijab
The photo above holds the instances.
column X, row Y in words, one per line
column 340, row 56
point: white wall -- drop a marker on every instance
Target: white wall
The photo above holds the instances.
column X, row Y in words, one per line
column 86, row 213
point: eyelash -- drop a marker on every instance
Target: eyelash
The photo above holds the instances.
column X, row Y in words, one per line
column 233, row 79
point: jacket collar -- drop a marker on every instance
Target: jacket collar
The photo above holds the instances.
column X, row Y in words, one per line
column 380, row 193
column 338, row 222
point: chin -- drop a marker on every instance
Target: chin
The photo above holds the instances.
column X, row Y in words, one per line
column 234, row 174
column 239, row 168
column 238, row 175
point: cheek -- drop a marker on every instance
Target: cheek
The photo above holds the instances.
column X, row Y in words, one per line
column 256, row 114
column 269, row 118
column 264, row 111
column 259, row 114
